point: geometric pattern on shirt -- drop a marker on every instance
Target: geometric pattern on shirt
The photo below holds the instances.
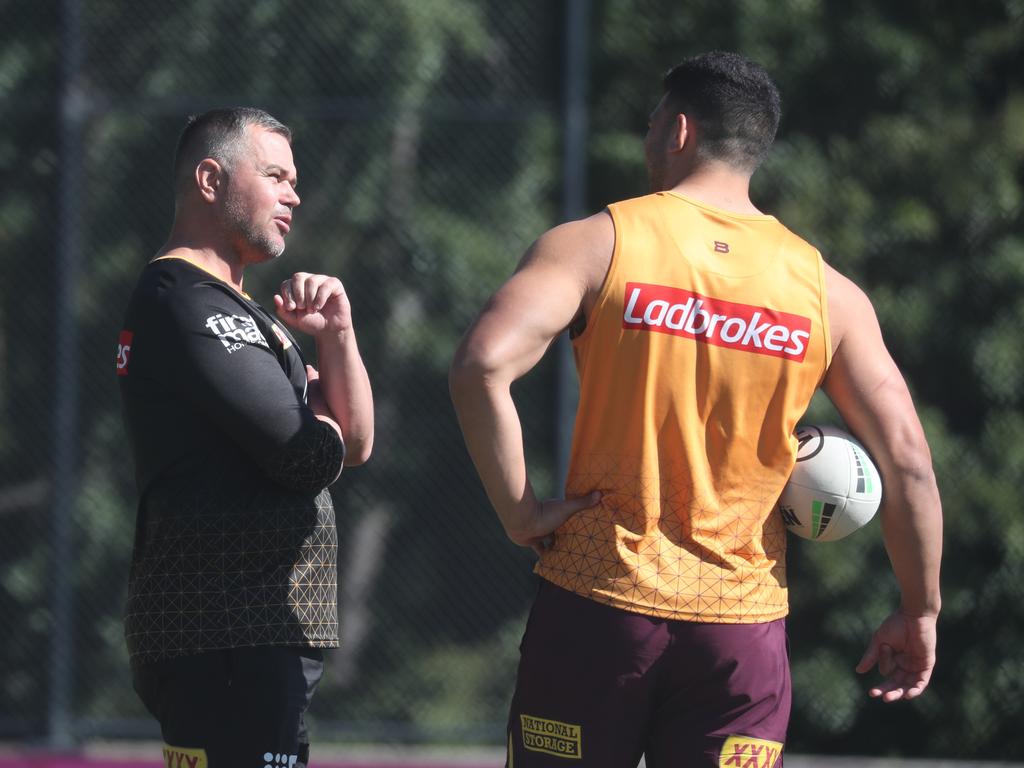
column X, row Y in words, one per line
column 657, row 545
column 234, row 575
column 311, row 460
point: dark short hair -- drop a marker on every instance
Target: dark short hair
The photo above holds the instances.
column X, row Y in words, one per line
column 218, row 134
column 733, row 100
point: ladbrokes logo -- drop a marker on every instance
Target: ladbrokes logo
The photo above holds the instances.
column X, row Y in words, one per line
column 235, row 331
column 714, row 321
column 552, row 737
column 745, row 752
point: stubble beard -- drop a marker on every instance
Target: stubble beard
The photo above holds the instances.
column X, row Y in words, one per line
column 253, row 243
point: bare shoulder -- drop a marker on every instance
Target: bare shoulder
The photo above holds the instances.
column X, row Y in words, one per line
column 841, row 287
column 848, row 305
column 593, row 231
column 583, row 247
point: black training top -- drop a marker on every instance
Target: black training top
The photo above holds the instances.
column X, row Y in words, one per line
column 235, row 540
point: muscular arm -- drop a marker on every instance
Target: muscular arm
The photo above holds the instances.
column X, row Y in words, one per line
column 559, row 275
column 870, row 394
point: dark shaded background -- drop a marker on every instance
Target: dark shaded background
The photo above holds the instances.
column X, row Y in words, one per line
column 429, row 141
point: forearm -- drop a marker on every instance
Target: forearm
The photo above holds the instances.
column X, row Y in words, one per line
column 345, row 386
column 316, row 402
column 873, row 399
column 491, row 427
column 912, row 528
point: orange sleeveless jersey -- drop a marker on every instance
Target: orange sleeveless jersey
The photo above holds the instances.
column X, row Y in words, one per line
column 705, row 345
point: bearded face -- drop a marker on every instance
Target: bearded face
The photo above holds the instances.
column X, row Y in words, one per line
column 259, row 196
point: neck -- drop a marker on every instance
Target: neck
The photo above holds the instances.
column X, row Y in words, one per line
column 206, row 258
column 216, row 258
column 717, row 185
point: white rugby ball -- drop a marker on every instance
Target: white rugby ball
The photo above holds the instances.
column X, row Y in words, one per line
column 834, row 489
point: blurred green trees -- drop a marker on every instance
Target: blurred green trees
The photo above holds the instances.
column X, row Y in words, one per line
column 427, row 142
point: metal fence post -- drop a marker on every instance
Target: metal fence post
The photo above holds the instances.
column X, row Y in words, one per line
column 574, row 184
column 60, row 730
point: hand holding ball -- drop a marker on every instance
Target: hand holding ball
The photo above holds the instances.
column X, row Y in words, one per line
column 834, row 489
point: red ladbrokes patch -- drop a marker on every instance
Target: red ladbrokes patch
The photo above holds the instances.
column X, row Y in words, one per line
column 678, row 312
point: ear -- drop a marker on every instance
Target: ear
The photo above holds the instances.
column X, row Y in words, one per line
column 680, row 133
column 209, row 177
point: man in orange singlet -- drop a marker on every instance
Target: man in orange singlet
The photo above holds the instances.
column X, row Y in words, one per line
column 701, row 328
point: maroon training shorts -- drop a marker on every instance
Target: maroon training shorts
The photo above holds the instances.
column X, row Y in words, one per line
column 599, row 687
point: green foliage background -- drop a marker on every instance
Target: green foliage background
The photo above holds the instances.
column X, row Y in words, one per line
column 428, row 141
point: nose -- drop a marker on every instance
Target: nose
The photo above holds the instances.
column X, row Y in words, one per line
column 292, row 199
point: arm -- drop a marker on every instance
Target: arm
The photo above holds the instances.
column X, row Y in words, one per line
column 317, row 402
column 240, row 388
column 319, row 306
column 870, row 394
column 559, row 275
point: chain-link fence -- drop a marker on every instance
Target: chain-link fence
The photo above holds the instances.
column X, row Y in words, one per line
column 434, row 140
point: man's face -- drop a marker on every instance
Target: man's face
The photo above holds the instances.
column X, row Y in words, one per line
column 260, row 195
column 655, row 144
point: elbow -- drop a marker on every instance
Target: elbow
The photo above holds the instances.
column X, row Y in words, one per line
column 470, row 372
column 918, row 471
column 461, row 374
column 358, row 452
column 310, row 461
column 913, row 456
column 302, row 480
column 909, row 457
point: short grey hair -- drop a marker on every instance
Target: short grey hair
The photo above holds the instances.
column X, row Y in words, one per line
column 218, row 134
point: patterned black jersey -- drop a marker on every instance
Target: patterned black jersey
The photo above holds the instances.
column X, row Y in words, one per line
column 235, row 540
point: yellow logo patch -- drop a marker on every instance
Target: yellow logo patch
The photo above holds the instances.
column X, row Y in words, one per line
column 552, row 737
column 745, row 752
column 183, row 757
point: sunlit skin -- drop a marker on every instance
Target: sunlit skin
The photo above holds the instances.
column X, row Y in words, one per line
column 671, row 158
column 238, row 212
column 260, row 197
column 559, row 279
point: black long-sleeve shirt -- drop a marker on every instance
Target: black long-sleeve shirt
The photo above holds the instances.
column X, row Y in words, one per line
column 235, row 541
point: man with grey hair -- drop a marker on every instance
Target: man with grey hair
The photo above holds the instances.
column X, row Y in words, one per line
column 232, row 591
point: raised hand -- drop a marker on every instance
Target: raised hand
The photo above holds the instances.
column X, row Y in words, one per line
column 314, row 304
